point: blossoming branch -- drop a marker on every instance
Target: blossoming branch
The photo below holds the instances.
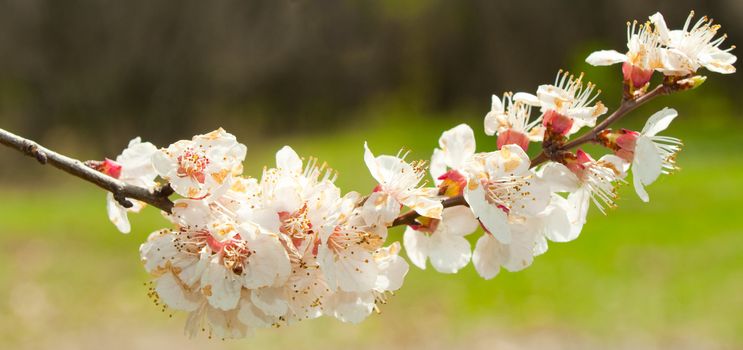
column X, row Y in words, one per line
column 250, row 252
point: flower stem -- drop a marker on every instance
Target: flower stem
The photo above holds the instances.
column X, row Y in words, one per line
column 122, row 192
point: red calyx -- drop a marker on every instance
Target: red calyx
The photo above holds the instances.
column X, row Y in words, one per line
column 636, row 76
column 513, row 137
column 557, row 123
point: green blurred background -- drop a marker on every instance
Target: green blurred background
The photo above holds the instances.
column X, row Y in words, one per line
column 85, row 76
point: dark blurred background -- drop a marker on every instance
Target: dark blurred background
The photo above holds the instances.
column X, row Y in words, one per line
column 105, row 69
column 85, row 76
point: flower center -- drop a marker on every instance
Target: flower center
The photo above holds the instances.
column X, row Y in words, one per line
column 296, row 225
column 192, row 163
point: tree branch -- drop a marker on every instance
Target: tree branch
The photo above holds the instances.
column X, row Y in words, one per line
column 159, row 197
column 121, row 191
column 624, row 109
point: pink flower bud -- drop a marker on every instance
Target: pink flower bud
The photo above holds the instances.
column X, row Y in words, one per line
column 110, row 168
column 513, row 137
column 635, row 75
column 625, row 144
column 557, row 123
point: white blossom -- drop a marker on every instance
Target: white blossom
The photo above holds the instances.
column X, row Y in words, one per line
column 692, row 47
column 442, row 241
column 197, row 167
column 399, row 184
column 135, row 168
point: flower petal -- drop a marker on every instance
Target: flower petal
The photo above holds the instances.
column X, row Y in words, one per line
column 417, row 246
column 493, row 219
column 605, row 58
column 659, row 121
column 458, row 145
column 487, row 257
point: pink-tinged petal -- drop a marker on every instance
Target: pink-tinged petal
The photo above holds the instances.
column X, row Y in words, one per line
column 636, row 75
column 513, row 137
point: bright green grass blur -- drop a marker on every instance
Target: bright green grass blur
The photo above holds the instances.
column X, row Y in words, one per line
column 658, row 275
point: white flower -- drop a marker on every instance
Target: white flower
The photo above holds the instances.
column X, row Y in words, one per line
column 442, row 241
column 345, row 256
column 448, row 162
column 642, row 58
column 491, row 253
column 509, row 119
column 586, row 180
column 354, row 307
column 643, row 49
column 399, row 184
column 195, row 168
column 177, row 268
column 135, row 169
column 653, row 154
column 501, row 185
column 693, row 47
column 566, row 99
column 457, row 145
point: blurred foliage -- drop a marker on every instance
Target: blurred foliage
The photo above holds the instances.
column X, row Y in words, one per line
column 105, row 70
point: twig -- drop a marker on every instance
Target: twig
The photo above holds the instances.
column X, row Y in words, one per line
column 159, row 197
column 626, row 107
column 409, row 217
column 121, row 191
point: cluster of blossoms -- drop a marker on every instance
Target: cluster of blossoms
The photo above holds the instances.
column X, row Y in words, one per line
column 245, row 253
